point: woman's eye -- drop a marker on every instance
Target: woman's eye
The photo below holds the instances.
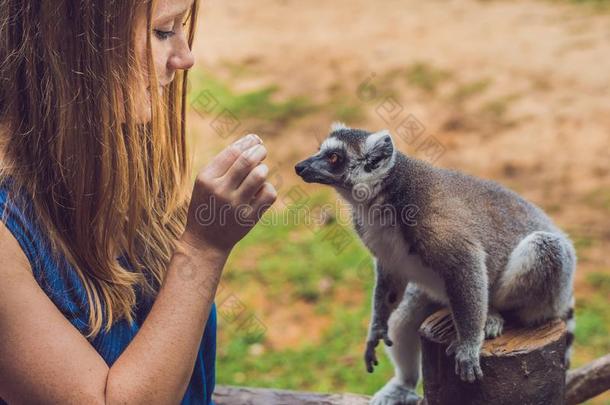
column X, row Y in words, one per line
column 163, row 35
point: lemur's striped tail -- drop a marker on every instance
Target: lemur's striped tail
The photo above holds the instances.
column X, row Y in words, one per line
column 571, row 326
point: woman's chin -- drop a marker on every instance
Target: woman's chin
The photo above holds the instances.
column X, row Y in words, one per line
column 144, row 110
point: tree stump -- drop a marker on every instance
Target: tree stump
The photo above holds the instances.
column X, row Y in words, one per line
column 523, row 366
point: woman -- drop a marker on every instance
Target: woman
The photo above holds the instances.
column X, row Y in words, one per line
column 107, row 276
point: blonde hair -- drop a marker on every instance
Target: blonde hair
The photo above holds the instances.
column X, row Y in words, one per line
column 98, row 180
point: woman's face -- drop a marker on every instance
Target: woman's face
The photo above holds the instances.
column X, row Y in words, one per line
column 170, row 50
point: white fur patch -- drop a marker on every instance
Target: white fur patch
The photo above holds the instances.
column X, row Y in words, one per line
column 517, row 279
column 331, row 144
column 389, row 247
column 336, row 126
column 521, row 260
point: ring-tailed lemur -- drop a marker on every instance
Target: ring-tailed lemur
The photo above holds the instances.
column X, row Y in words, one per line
column 442, row 238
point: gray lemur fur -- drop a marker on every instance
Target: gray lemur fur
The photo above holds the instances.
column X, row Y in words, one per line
column 441, row 238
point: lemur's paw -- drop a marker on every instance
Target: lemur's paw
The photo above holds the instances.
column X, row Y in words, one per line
column 467, row 361
column 376, row 334
column 370, row 358
column 494, row 326
column 380, row 333
column 394, row 393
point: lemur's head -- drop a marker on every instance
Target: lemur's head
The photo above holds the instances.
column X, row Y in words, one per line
column 349, row 158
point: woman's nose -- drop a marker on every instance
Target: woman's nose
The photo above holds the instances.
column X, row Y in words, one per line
column 182, row 60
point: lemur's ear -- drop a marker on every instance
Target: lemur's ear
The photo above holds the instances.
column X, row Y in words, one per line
column 378, row 148
column 380, row 143
column 336, row 126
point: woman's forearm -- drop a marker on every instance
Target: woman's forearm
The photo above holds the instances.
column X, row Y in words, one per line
column 157, row 365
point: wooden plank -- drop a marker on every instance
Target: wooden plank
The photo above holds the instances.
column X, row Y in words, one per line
column 228, row 395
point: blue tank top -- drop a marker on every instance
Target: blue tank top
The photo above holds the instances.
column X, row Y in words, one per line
column 66, row 290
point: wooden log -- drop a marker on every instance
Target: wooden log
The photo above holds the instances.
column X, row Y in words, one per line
column 522, row 366
column 588, row 381
column 227, row 395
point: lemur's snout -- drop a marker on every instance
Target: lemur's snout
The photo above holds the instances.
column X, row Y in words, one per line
column 308, row 172
column 301, row 166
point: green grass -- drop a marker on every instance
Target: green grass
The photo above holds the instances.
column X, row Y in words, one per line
column 593, row 318
column 292, row 272
column 496, row 109
column 262, row 104
column 600, row 4
column 333, row 365
column 599, row 198
column 426, row 76
column 468, row 90
column 582, row 242
column 345, row 111
column 494, row 113
column 256, row 104
column 592, row 329
column 601, row 281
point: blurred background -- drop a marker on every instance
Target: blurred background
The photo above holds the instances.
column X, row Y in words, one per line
column 515, row 91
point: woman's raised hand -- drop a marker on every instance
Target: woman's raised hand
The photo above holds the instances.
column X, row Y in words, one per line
column 230, row 196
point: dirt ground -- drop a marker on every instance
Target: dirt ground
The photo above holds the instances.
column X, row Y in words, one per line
column 515, row 91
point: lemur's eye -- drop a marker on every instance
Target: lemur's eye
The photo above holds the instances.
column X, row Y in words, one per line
column 334, row 158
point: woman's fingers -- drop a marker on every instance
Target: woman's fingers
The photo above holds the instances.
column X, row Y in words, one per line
column 252, row 183
column 225, row 159
column 264, row 198
column 212, row 224
column 243, row 165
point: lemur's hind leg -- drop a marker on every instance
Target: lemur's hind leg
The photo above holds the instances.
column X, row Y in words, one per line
column 537, row 282
column 404, row 324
